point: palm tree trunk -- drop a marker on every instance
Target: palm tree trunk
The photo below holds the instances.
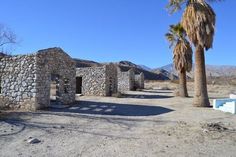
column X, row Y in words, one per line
column 200, row 85
column 183, row 84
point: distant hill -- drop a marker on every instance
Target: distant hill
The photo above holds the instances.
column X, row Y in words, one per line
column 224, row 70
column 3, row 54
column 166, row 72
column 86, row 63
column 147, row 74
column 169, row 75
column 145, row 67
column 211, row 70
column 124, row 65
column 128, row 64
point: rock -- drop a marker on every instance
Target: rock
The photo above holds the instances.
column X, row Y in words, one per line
column 32, row 140
column 24, row 84
column 205, row 130
column 218, row 126
column 33, row 90
column 12, row 87
column 25, row 96
column 60, row 127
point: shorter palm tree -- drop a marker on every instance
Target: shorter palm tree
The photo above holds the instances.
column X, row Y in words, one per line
column 182, row 55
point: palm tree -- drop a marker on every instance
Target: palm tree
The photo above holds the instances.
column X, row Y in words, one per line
column 198, row 20
column 182, row 55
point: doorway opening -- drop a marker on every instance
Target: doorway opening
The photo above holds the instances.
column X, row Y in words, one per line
column 78, row 85
column 54, row 89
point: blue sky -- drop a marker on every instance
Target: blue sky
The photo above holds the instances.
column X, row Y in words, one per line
column 110, row 30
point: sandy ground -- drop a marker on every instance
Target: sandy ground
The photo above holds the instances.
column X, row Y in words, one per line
column 141, row 124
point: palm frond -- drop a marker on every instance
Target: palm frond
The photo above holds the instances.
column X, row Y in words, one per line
column 175, row 5
column 183, row 56
column 176, row 32
column 170, row 37
column 182, row 49
column 199, row 22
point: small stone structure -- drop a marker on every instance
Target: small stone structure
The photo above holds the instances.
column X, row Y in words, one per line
column 126, row 79
column 139, row 81
column 25, row 80
column 97, row 81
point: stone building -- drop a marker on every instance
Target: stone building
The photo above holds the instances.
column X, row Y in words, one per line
column 97, row 81
column 26, row 80
column 126, row 79
column 139, row 81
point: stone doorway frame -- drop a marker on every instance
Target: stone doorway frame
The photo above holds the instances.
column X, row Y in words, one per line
column 58, row 84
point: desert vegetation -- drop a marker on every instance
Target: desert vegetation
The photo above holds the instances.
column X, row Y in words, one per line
column 182, row 55
column 198, row 20
column 7, row 38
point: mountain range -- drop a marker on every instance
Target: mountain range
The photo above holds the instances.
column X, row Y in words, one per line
column 211, row 70
column 166, row 72
column 124, row 65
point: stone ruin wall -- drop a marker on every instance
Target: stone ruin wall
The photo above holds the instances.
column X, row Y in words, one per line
column 111, row 80
column 126, row 80
column 139, row 81
column 26, row 79
column 55, row 61
column 95, row 80
column 18, row 80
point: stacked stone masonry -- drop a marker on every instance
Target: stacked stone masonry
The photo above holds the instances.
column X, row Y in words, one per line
column 98, row 81
column 26, row 79
column 139, row 81
column 126, row 80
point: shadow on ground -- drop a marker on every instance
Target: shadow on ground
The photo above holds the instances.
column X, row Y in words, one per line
column 159, row 91
column 89, row 111
column 138, row 96
column 14, row 127
column 103, row 108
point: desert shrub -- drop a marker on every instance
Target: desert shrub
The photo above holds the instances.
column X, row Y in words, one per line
column 233, row 82
column 175, row 81
column 227, row 80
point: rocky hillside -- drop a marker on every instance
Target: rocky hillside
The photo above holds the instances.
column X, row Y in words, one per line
column 125, row 66
column 86, row 63
column 145, row 67
column 211, row 70
column 169, row 75
column 166, row 72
